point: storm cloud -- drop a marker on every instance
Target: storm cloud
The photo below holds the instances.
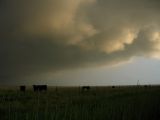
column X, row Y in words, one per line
column 45, row 36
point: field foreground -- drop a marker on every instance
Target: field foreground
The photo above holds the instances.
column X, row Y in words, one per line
column 71, row 103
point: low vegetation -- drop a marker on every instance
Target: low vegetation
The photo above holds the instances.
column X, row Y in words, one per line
column 97, row 103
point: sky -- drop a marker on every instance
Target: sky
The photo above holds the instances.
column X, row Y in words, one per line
column 79, row 42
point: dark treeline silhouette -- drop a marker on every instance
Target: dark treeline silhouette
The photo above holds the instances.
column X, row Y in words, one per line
column 40, row 88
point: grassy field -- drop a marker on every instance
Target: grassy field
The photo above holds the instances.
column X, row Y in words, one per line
column 99, row 103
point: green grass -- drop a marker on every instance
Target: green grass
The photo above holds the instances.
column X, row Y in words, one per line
column 102, row 103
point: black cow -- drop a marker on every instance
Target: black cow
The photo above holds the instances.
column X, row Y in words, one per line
column 113, row 86
column 85, row 88
column 39, row 88
column 23, row 88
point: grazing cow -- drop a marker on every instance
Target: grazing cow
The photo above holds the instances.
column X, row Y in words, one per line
column 147, row 86
column 113, row 86
column 39, row 88
column 85, row 88
column 22, row 88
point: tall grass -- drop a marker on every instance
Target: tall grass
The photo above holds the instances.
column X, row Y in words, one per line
column 72, row 104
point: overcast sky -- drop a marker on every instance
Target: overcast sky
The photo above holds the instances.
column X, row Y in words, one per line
column 79, row 42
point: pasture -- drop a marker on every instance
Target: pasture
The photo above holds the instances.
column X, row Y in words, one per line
column 71, row 103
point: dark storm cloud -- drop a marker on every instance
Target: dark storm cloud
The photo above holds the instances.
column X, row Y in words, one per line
column 37, row 37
